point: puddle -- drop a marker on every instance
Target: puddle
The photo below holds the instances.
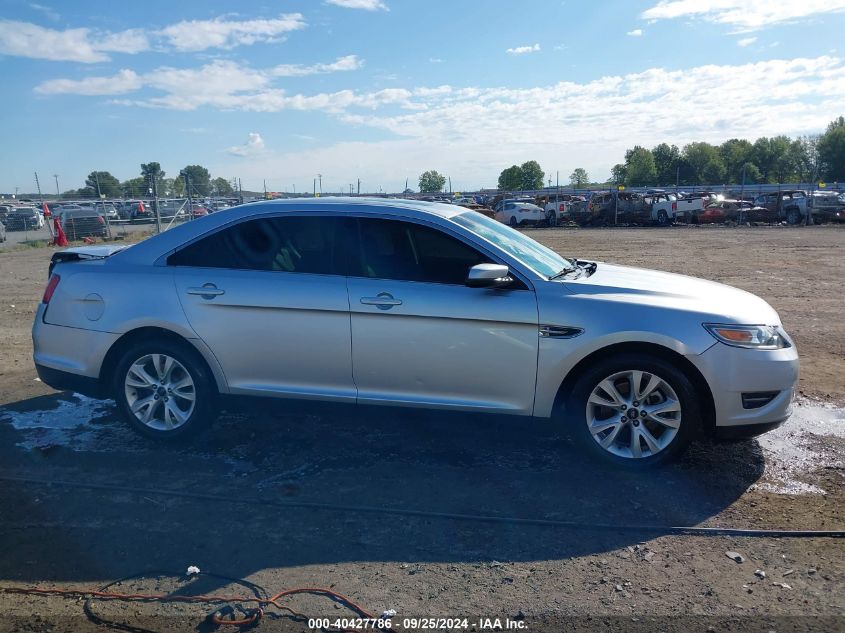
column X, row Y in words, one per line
column 802, row 445
column 71, row 424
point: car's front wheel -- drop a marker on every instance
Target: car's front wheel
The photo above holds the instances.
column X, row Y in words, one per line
column 163, row 389
column 633, row 411
column 512, row 221
column 793, row 217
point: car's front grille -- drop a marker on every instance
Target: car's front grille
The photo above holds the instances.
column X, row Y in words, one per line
column 757, row 399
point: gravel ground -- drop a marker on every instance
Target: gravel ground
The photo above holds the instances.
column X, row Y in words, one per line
column 235, row 502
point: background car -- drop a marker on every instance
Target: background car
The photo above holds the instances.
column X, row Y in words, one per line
column 4, row 211
column 81, row 223
column 515, row 213
column 107, row 210
column 24, row 219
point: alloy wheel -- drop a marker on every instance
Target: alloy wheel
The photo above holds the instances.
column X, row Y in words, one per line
column 160, row 392
column 633, row 414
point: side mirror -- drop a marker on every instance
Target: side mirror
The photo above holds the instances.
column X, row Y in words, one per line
column 488, row 276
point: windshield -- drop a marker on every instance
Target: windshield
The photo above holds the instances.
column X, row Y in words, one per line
column 519, row 246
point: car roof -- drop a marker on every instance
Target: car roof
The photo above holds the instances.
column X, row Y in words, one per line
column 151, row 249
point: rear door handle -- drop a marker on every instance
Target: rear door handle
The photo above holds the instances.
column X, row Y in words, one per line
column 207, row 291
column 383, row 301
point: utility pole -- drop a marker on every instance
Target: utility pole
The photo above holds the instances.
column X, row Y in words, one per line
column 359, row 186
column 188, row 193
column 240, row 191
column 97, row 180
column 265, row 188
column 314, row 191
column 41, row 199
column 155, row 202
column 450, row 184
column 350, row 189
column 56, row 176
column 38, row 185
column 320, row 176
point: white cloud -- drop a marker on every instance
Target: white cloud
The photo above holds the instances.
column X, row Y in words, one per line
column 742, row 15
column 592, row 122
column 635, row 33
column 367, row 5
column 435, row 60
column 522, row 50
column 746, row 41
column 254, row 145
column 199, row 35
column 349, row 62
column 222, row 84
column 124, row 81
column 47, row 11
column 24, row 39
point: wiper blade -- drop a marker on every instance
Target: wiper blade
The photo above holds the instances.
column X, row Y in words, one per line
column 564, row 272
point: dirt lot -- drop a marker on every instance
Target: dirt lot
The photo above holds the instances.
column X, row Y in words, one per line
column 250, row 480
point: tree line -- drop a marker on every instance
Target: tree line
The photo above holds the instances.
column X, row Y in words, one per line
column 153, row 178
column 766, row 160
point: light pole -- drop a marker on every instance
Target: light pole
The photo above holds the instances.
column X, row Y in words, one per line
column 56, row 176
column 320, row 176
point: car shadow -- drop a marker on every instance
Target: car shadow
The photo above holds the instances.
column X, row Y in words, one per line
column 255, row 459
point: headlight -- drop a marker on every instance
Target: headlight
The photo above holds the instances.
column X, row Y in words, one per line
column 750, row 336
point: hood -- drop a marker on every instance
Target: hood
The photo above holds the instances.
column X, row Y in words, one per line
column 721, row 303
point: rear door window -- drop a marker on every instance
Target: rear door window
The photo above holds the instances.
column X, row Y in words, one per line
column 306, row 244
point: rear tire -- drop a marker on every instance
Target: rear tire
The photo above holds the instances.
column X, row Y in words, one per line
column 659, row 421
column 793, row 217
column 662, row 218
column 164, row 390
column 512, row 222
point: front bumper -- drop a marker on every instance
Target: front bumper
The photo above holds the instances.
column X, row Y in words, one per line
column 733, row 371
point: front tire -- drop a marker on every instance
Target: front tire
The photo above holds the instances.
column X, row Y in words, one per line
column 793, row 217
column 163, row 390
column 634, row 411
column 512, row 222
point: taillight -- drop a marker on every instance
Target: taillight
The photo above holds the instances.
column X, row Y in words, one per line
column 50, row 289
column 674, row 206
column 100, row 218
column 562, row 208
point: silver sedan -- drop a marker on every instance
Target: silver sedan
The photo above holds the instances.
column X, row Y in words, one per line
column 403, row 303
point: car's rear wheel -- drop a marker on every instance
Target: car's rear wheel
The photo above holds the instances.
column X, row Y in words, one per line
column 552, row 218
column 662, row 218
column 793, row 217
column 635, row 411
column 512, row 221
column 163, row 389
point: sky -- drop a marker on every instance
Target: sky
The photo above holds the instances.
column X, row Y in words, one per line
column 382, row 90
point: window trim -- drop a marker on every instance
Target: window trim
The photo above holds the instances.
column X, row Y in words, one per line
column 513, row 271
column 515, row 268
column 162, row 259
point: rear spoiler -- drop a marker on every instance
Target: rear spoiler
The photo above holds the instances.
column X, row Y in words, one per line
column 81, row 253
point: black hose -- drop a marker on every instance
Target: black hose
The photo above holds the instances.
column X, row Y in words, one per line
column 427, row 514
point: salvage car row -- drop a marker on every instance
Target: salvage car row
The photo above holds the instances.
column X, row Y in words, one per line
column 662, row 208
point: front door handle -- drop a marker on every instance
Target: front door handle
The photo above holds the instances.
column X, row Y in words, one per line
column 207, row 291
column 383, row 301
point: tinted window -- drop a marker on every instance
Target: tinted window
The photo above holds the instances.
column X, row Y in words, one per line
column 292, row 244
column 390, row 249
